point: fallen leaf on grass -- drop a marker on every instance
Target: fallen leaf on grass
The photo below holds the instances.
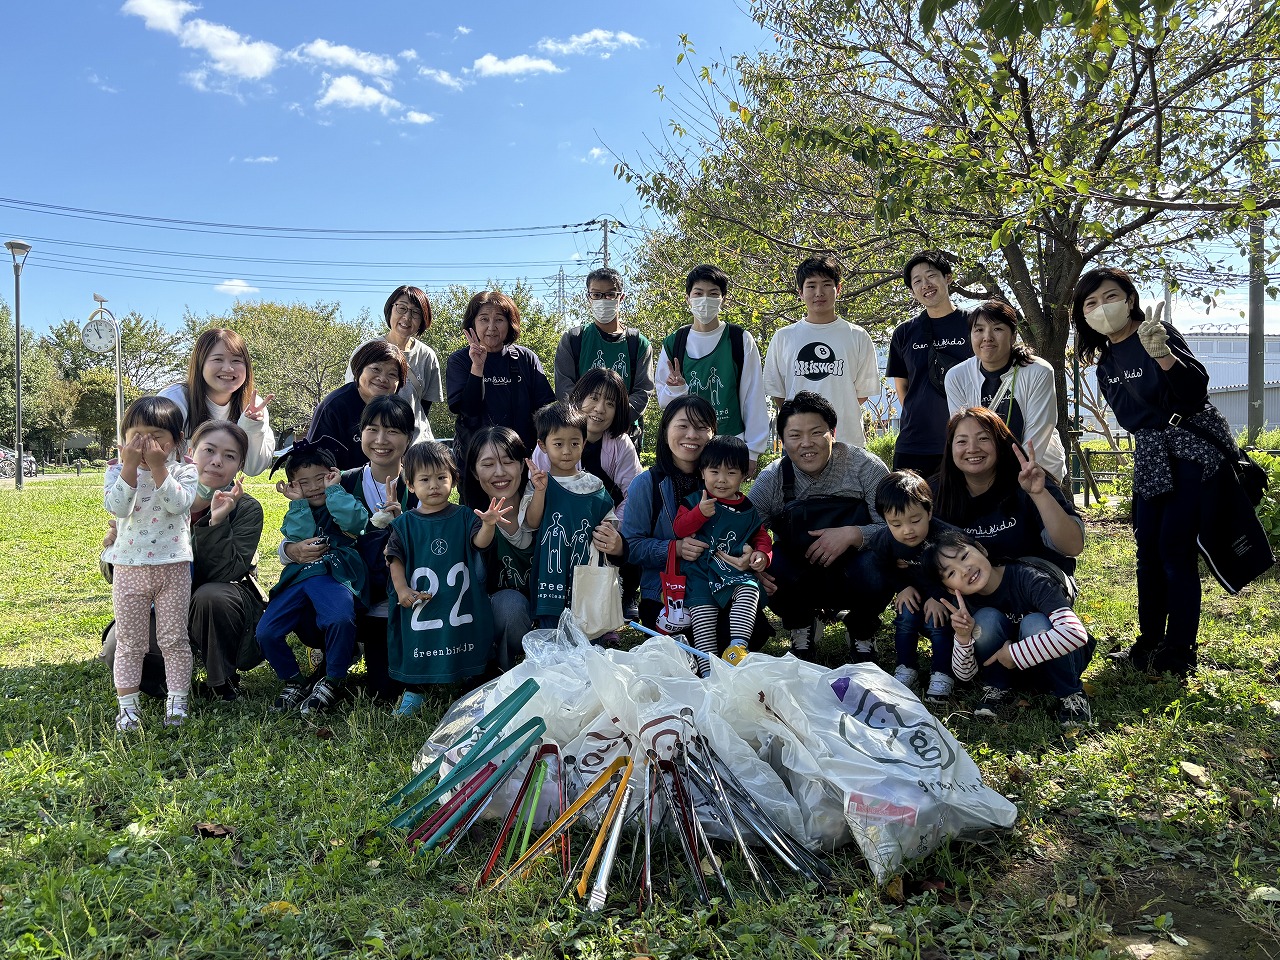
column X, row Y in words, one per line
column 1195, row 773
column 279, row 908
column 893, row 890
column 1017, row 774
column 1139, row 951
column 213, row 831
column 323, row 733
column 1242, row 802
column 1062, row 936
column 880, row 929
column 1269, row 894
column 1090, row 689
column 1065, row 900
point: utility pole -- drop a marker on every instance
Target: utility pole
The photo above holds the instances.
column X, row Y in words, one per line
column 604, row 226
column 1257, row 332
column 561, row 300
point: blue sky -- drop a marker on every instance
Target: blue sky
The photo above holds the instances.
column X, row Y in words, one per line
column 379, row 116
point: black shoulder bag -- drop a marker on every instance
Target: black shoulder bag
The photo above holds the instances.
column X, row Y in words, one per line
column 798, row 517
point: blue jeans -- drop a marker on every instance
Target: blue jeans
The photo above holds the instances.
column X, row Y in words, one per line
column 1060, row 677
column 907, row 628
column 315, row 605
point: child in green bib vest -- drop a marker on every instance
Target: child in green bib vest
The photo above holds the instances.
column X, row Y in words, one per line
column 569, row 509
column 442, row 630
column 740, row 549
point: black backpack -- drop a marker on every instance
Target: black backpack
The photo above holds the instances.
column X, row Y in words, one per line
column 737, row 343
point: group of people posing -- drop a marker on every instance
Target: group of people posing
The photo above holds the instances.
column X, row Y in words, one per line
column 433, row 560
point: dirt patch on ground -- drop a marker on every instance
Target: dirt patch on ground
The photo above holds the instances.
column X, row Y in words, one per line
column 1211, row 929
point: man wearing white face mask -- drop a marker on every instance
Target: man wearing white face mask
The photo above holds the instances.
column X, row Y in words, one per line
column 717, row 361
column 606, row 343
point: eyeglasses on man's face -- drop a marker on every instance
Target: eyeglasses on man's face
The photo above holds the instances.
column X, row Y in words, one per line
column 604, row 295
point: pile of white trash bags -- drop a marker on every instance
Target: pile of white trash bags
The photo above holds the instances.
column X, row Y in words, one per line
column 831, row 755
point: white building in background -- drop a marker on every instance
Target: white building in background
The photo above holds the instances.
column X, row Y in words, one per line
column 1224, row 351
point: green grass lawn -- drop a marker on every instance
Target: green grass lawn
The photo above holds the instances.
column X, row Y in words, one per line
column 1117, row 844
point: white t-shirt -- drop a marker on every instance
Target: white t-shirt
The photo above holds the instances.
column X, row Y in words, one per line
column 836, row 360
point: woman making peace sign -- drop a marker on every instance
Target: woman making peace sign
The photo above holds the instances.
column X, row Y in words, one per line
column 1003, row 497
column 1052, row 647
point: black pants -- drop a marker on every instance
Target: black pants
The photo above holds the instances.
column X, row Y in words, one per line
column 372, row 632
column 854, row 583
column 1169, row 573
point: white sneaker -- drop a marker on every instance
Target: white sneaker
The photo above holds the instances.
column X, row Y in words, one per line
column 128, row 720
column 906, row 676
column 175, row 710
column 940, row 688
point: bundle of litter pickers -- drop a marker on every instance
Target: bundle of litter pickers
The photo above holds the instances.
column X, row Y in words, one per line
column 635, row 774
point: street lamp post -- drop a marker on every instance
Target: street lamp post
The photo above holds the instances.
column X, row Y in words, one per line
column 18, row 250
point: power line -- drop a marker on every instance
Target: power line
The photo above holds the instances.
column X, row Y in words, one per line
column 319, row 233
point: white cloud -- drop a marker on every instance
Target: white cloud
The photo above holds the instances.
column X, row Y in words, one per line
column 596, row 155
column 101, row 84
column 164, row 15
column 408, row 54
column 345, row 58
column 414, row 116
column 491, row 66
column 236, row 288
column 229, row 53
column 442, row 77
column 463, row 31
column 599, row 41
column 348, row 91
column 261, row 159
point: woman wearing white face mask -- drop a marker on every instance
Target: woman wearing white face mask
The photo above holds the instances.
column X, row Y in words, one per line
column 717, row 361
column 1157, row 390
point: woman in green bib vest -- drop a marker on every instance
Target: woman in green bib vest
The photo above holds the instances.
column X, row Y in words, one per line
column 495, row 470
column 442, row 628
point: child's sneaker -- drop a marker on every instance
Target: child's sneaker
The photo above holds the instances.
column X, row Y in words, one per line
column 175, row 710
column 410, row 703
column 734, row 654
column 322, row 697
column 291, row 697
column 128, row 719
column 1074, row 711
column 907, row 676
column 940, row 689
column 864, row 651
column 992, row 704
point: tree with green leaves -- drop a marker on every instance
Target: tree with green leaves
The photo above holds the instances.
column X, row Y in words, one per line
column 1027, row 157
column 151, row 356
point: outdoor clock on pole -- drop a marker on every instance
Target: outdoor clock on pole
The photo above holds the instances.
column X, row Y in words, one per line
column 100, row 333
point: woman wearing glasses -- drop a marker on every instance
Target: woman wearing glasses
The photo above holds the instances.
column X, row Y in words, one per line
column 408, row 316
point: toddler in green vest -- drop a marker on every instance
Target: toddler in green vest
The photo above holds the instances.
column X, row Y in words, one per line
column 739, row 549
column 567, row 507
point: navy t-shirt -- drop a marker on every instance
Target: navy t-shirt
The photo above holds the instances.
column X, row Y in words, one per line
column 1009, row 409
column 901, row 563
column 1010, row 526
column 338, row 417
column 1141, row 394
column 924, row 411
column 1023, row 590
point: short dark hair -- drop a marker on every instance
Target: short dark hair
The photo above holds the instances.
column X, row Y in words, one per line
column 725, row 450
column 707, row 273
column 314, row 455
column 560, row 415
column 998, row 311
column 1089, row 342
column 899, row 490
column 506, row 441
column 606, row 275
column 428, row 455
column 158, row 413
column 605, row 381
column 418, row 296
column 391, row 411
column 823, row 265
column 500, row 300
column 378, row 351
column 234, row 430
column 806, row 401
column 948, row 543
column 696, row 409
column 934, row 258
